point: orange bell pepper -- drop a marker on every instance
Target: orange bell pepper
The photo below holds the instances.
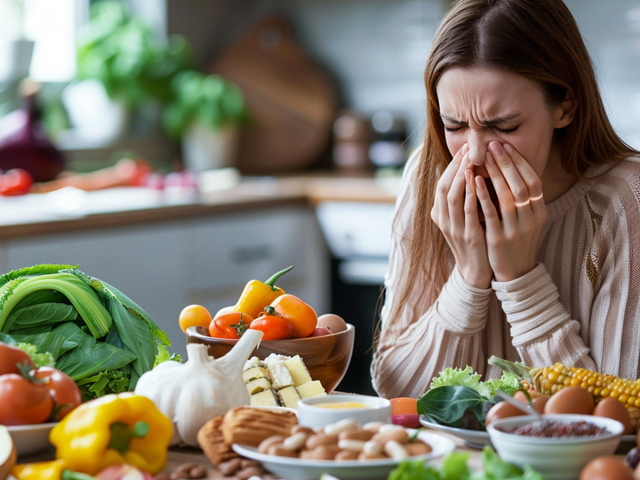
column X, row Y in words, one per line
column 297, row 313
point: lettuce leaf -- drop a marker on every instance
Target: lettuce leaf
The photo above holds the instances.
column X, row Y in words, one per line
column 44, row 359
column 458, row 377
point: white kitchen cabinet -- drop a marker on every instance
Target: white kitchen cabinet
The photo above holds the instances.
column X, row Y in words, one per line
column 207, row 260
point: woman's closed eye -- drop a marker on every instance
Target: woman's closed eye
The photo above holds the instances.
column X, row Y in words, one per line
column 501, row 130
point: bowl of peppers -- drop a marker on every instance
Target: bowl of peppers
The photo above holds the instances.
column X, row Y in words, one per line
column 290, row 327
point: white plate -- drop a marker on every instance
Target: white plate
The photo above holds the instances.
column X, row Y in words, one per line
column 31, row 439
column 296, row 469
column 471, row 438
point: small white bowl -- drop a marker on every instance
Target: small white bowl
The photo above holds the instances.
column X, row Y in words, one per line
column 554, row 458
column 309, row 415
column 31, row 439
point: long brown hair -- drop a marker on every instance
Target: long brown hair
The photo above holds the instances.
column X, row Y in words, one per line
column 538, row 39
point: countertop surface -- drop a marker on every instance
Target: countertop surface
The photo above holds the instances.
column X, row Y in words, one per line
column 72, row 209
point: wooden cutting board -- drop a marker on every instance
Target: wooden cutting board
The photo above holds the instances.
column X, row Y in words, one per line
column 291, row 99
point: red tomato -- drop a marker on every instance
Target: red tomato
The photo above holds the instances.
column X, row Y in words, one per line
column 230, row 325
column 22, row 401
column 63, row 390
column 273, row 325
column 10, row 357
column 15, row 182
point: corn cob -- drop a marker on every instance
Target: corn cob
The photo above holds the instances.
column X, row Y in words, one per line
column 549, row 380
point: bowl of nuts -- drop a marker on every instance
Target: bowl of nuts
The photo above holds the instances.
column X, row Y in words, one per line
column 344, row 449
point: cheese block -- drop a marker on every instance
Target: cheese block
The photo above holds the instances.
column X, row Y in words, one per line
column 311, row 389
column 253, row 373
column 289, row 397
column 265, row 399
column 298, row 370
column 258, row 385
column 278, row 372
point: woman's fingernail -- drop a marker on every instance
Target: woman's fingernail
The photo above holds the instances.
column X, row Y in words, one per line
column 495, row 148
column 490, row 160
column 479, row 183
column 509, row 149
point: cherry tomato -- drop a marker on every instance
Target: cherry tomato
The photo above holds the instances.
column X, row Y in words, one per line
column 194, row 316
column 15, row 182
column 273, row 325
column 297, row 313
column 10, row 357
column 23, row 401
column 230, row 325
column 63, row 390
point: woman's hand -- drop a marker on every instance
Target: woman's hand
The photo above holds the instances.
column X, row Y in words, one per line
column 456, row 215
column 512, row 242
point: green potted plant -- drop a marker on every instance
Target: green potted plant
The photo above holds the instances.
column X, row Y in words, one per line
column 121, row 66
column 206, row 114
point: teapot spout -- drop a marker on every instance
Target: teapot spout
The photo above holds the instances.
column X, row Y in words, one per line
column 240, row 353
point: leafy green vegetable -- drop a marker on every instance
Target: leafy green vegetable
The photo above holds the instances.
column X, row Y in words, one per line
column 39, row 359
column 96, row 334
column 448, row 405
column 454, row 467
column 452, row 377
column 165, row 356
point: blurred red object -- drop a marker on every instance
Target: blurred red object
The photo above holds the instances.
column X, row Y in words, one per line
column 15, row 182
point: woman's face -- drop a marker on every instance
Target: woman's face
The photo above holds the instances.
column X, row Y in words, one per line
column 483, row 105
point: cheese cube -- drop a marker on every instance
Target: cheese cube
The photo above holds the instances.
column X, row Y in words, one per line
column 279, row 373
column 252, row 374
column 311, row 389
column 258, row 385
column 264, row 399
column 298, row 371
column 289, row 397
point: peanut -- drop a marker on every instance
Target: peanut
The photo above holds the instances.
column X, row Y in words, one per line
column 295, row 441
column 230, row 467
column 278, row 451
column 400, row 436
column 373, row 456
column 249, row 472
column 395, row 450
column 372, row 448
column 388, row 428
column 197, row 472
column 363, row 435
column 299, row 428
column 266, row 443
column 417, row 448
column 320, row 439
column 346, row 455
column 372, row 426
column 352, row 445
column 342, row 425
column 245, row 462
column 321, row 452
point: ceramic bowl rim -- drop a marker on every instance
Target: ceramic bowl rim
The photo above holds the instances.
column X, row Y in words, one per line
column 380, row 403
column 615, row 428
column 193, row 332
column 31, row 427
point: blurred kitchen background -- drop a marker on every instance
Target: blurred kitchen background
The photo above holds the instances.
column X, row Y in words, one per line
column 180, row 148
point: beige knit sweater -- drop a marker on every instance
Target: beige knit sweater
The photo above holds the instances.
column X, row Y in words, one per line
column 580, row 305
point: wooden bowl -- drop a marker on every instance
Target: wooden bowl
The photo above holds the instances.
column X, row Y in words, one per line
column 326, row 357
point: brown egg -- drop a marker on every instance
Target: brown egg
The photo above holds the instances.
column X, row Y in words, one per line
column 573, row 400
column 502, row 410
column 333, row 322
column 613, row 408
column 538, row 401
column 606, row 468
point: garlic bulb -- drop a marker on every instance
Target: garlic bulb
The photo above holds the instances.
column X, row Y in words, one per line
column 202, row 388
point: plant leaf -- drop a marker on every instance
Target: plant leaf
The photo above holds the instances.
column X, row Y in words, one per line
column 81, row 363
column 40, row 315
column 41, row 269
column 447, row 405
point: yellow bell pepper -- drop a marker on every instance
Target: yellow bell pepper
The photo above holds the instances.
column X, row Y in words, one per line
column 257, row 295
column 39, row 471
column 113, row 430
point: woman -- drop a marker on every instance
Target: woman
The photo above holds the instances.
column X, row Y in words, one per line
column 550, row 272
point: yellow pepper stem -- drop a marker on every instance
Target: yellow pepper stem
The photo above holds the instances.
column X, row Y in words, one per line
column 69, row 475
column 121, row 435
column 271, row 283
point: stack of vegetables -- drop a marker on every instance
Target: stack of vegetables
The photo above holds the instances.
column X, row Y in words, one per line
column 93, row 332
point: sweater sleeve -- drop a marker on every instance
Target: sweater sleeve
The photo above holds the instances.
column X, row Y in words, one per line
column 541, row 329
column 424, row 338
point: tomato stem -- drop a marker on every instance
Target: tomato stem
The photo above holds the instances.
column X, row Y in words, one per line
column 25, row 371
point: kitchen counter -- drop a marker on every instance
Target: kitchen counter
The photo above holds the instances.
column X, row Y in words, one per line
column 71, row 210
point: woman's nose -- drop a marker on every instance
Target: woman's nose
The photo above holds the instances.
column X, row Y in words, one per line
column 477, row 150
